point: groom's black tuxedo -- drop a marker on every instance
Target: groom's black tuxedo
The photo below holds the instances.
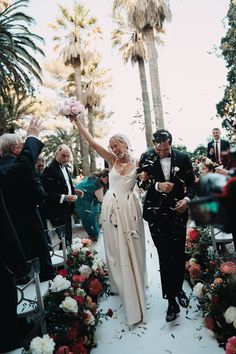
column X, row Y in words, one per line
column 167, row 227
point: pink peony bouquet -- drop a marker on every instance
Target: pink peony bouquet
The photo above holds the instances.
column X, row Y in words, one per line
column 71, row 107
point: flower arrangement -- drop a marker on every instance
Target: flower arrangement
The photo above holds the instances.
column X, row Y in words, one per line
column 71, row 107
column 218, row 302
column 231, row 345
column 203, row 261
column 71, row 306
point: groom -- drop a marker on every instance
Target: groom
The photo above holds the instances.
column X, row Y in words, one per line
column 167, row 176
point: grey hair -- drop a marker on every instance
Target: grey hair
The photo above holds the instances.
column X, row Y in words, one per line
column 7, row 142
column 62, row 147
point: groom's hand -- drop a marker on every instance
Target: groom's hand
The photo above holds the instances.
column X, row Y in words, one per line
column 165, row 187
column 181, row 205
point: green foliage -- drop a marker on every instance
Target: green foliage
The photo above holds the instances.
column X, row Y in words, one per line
column 226, row 106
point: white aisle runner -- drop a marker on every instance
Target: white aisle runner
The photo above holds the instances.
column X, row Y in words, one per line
column 185, row 335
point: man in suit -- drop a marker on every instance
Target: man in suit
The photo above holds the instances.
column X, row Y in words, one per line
column 13, row 262
column 22, row 196
column 59, row 205
column 167, row 176
column 217, row 148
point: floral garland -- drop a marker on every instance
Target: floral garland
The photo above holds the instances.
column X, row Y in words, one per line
column 71, row 305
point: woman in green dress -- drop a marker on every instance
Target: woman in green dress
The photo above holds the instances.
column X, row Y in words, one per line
column 88, row 207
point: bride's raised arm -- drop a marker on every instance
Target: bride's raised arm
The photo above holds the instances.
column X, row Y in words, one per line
column 104, row 153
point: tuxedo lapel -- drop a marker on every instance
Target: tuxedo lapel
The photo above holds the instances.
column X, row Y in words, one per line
column 173, row 165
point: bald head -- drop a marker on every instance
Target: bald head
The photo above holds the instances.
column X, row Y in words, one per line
column 63, row 154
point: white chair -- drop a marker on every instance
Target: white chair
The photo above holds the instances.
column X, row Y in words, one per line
column 58, row 249
column 219, row 238
column 31, row 295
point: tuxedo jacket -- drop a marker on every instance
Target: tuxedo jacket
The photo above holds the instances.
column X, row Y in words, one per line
column 157, row 203
column 55, row 185
column 20, row 195
column 224, row 147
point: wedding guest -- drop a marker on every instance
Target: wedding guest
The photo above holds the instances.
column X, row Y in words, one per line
column 122, row 224
column 22, row 200
column 57, row 182
column 217, row 147
column 167, row 176
column 89, row 206
column 13, row 262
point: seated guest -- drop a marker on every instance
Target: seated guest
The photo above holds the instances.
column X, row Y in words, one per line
column 88, row 207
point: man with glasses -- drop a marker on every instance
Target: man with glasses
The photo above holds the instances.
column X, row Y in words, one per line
column 217, row 148
column 167, row 176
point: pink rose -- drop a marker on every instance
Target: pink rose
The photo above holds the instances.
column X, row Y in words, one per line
column 231, row 345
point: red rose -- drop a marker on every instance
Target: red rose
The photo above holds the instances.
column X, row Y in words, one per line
column 193, row 235
column 62, row 272
column 213, row 264
column 109, row 313
column 63, row 350
column 78, row 348
column 214, row 299
column 79, row 299
column 69, row 262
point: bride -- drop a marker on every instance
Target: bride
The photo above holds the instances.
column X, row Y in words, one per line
column 122, row 224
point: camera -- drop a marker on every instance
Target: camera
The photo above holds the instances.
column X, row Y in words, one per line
column 216, row 203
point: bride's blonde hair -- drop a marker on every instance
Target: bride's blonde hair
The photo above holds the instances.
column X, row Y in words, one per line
column 122, row 139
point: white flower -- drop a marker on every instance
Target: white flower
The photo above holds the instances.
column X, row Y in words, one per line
column 69, row 305
column 76, row 247
column 98, row 264
column 43, row 345
column 59, row 283
column 234, row 324
column 90, row 318
column 197, row 290
column 80, row 291
column 85, row 270
column 230, row 314
column 176, row 169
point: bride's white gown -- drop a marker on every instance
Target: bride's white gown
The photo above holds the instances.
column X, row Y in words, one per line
column 124, row 242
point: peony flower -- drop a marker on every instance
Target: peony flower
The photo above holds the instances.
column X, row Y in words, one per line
column 86, row 242
column 231, row 345
column 95, row 287
column 218, row 281
column 69, row 305
column 88, row 318
column 71, row 107
column 43, row 345
column 59, row 283
column 197, row 290
column 228, row 268
column 230, row 314
column 85, row 270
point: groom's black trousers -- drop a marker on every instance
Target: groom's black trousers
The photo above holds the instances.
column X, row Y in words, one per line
column 169, row 237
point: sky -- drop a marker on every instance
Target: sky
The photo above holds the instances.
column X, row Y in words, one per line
column 192, row 77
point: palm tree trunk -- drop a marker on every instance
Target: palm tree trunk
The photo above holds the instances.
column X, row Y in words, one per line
column 83, row 144
column 154, row 77
column 146, row 102
column 91, row 131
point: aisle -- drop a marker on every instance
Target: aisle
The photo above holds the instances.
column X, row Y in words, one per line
column 183, row 336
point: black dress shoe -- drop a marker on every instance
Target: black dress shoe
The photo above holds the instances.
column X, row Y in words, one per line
column 172, row 311
column 182, row 298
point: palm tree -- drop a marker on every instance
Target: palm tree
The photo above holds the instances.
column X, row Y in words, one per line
column 134, row 49
column 14, row 107
column 95, row 80
column 77, row 28
column 17, row 57
column 145, row 17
